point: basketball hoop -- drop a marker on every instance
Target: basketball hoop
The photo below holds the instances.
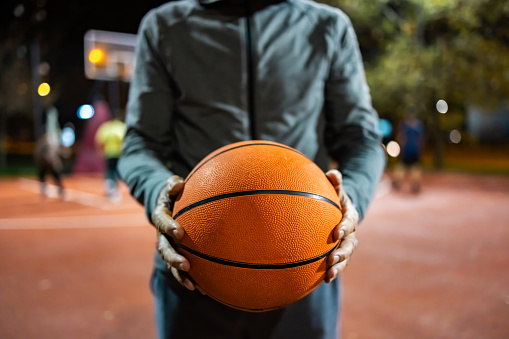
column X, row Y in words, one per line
column 109, row 55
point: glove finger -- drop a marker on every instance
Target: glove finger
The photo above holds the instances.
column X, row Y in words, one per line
column 181, row 279
column 340, row 257
column 164, row 223
column 336, row 179
column 171, row 256
column 349, row 221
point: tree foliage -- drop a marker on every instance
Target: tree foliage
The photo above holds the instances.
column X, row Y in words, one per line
column 417, row 52
column 15, row 83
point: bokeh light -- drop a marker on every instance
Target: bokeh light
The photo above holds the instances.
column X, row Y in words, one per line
column 393, row 149
column 43, row 68
column 442, row 106
column 455, row 136
column 43, row 89
column 95, row 56
column 85, row 112
column 22, row 88
column 21, row 52
column 19, row 10
column 40, row 15
column 384, row 127
column 68, row 137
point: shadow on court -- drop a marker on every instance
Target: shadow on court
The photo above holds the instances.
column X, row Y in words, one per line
column 433, row 265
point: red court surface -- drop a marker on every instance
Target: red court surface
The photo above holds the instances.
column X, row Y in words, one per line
column 435, row 265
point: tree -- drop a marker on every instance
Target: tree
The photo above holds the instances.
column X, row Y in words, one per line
column 15, row 83
column 417, row 52
column 21, row 69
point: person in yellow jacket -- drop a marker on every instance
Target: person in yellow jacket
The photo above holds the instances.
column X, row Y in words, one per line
column 109, row 138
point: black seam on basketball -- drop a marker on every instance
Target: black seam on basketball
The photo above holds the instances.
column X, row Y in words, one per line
column 254, row 192
column 254, row 144
column 252, row 265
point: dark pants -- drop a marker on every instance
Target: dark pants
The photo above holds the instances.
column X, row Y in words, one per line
column 410, row 159
column 184, row 314
column 44, row 171
column 111, row 171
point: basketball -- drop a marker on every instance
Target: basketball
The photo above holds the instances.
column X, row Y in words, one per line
column 259, row 218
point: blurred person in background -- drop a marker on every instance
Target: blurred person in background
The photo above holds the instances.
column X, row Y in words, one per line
column 411, row 138
column 48, row 158
column 108, row 140
column 210, row 73
column 49, row 153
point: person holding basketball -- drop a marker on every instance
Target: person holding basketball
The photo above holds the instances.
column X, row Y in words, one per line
column 213, row 72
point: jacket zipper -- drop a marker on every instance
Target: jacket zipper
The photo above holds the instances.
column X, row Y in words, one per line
column 250, row 76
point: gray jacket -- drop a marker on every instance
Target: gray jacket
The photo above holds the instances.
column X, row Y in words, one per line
column 290, row 72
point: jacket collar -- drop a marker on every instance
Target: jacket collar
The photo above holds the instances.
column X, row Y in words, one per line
column 237, row 7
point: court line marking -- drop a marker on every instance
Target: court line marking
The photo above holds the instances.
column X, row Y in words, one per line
column 75, row 222
column 80, row 197
column 384, row 187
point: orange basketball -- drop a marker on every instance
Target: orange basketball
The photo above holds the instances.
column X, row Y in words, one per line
column 258, row 219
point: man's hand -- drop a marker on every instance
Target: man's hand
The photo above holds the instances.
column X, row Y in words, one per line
column 166, row 225
column 345, row 231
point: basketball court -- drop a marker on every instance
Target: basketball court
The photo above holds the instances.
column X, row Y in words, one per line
column 433, row 265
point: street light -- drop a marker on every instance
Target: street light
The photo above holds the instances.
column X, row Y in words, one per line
column 43, row 89
column 109, row 56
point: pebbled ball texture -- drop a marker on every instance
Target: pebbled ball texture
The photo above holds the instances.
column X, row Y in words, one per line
column 258, row 219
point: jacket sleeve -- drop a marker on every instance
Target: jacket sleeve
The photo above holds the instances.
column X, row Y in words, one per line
column 147, row 143
column 352, row 135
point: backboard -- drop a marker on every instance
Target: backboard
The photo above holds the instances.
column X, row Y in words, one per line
column 109, row 55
